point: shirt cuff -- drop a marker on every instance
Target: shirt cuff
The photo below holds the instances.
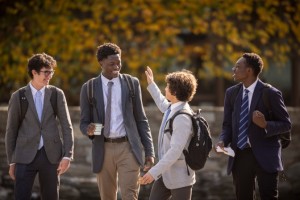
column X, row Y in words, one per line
column 67, row 158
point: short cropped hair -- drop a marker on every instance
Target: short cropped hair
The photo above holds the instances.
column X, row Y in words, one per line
column 107, row 49
column 38, row 61
column 182, row 84
column 255, row 62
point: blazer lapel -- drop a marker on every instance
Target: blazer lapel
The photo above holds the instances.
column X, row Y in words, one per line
column 47, row 104
column 256, row 96
column 31, row 105
column 237, row 108
column 99, row 99
column 124, row 92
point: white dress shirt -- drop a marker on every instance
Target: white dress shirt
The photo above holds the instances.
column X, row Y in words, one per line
column 117, row 128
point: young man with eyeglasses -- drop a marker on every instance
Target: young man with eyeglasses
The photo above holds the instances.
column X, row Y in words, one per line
column 34, row 144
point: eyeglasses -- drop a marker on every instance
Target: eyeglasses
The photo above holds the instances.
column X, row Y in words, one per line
column 47, row 72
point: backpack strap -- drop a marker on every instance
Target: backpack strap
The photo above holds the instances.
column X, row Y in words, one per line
column 179, row 112
column 23, row 104
column 90, row 91
column 91, row 97
column 266, row 101
column 129, row 81
column 53, row 99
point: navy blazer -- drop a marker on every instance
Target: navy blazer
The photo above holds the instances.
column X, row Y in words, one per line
column 136, row 126
column 265, row 143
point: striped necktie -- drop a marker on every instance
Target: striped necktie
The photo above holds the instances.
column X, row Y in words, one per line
column 244, row 120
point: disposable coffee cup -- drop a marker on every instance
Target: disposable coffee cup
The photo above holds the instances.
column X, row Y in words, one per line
column 98, row 128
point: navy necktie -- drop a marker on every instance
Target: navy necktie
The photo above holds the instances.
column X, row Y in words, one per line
column 243, row 124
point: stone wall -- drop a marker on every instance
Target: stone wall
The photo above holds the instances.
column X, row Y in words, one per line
column 212, row 181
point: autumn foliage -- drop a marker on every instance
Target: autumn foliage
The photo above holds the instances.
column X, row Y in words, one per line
column 204, row 36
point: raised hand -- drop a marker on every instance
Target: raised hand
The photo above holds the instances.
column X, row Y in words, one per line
column 149, row 75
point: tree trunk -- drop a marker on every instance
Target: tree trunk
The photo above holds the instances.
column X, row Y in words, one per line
column 219, row 95
column 295, row 59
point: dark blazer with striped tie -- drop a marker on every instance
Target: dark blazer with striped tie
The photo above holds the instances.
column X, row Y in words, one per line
column 265, row 143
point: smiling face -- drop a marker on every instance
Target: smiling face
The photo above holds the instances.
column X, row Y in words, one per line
column 111, row 66
column 42, row 78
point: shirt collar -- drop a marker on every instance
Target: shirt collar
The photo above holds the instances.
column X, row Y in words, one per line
column 251, row 87
column 175, row 105
column 34, row 91
column 105, row 80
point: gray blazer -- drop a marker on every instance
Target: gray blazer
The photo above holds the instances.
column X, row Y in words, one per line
column 172, row 166
column 22, row 141
column 137, row 127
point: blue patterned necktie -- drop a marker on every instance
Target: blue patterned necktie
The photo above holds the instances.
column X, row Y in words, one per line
column 243, row 124
column 161, row 130
column 39, row 109
column 164, row 121
column 106, row 130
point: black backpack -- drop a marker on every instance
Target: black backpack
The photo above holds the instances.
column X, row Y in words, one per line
column 286, row 137
column 24, row 102
column 201, row 142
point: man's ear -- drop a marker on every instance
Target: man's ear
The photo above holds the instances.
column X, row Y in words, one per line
column 34, row 72
column 250, row 70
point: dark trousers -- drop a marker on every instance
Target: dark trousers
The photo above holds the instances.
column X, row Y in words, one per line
column 159, row 191
column 246, row 171
column 48, row 179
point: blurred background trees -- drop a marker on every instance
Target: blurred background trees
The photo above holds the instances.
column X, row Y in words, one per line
column 206, row 37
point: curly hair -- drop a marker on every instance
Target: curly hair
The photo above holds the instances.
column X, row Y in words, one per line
column 182, row 84
column 255, row 62
column 38, row 61
column 107, row 49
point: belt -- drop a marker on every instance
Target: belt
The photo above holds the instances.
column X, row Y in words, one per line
column 116, row 140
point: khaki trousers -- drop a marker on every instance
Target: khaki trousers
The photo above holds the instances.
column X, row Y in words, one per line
column 119, row 168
